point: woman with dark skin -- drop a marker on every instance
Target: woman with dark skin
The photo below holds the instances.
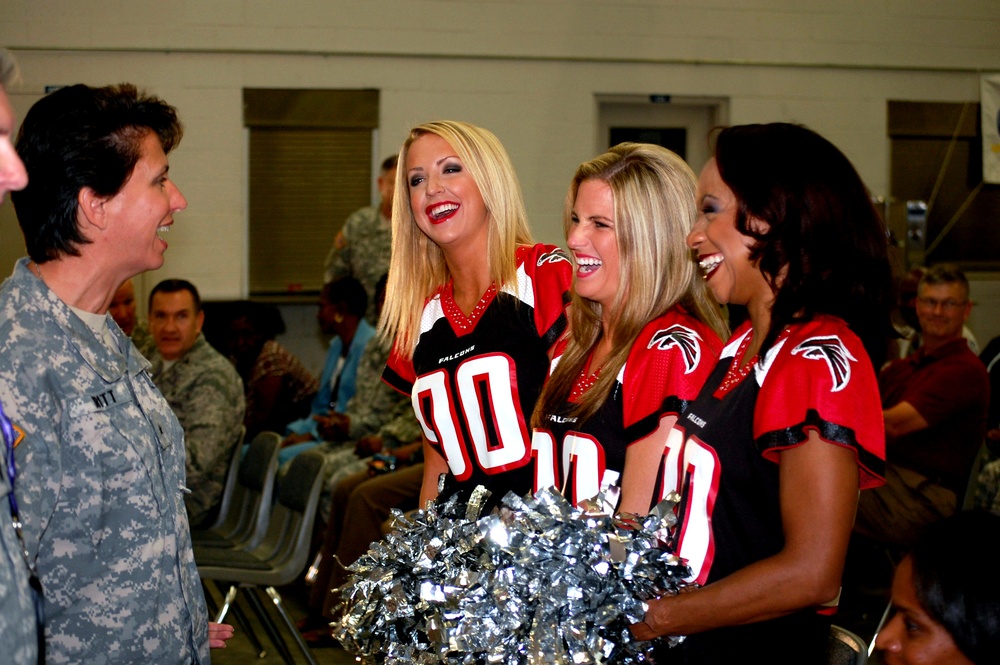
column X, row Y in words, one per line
column 946, row 597
column 770, row 456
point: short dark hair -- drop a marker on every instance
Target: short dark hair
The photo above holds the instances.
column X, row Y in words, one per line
column 824, row 236
column 79, row 137
column 173, row 286
column 264, row 318
column 349, row 291
column 389, row 163
column 944, row 273
column 957, row 581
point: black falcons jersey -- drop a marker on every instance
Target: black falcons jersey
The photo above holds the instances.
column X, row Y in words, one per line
column 474, row 382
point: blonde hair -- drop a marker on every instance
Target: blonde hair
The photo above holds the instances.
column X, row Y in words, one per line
column 654, row 200
column 417, row 268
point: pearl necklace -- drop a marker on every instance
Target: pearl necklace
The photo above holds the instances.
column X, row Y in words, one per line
column 455, row 314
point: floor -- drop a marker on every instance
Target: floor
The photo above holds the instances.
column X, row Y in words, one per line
column 240, row 649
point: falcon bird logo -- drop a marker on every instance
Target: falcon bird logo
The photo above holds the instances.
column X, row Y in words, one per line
column 836, row 355
column 686, row 340
column 554, row 256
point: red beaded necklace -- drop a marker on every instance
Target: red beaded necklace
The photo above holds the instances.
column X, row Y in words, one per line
column 454, row 313
column 735, row 374
column 581, row 387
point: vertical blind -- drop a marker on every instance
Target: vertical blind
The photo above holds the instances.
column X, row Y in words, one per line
column 310, row 167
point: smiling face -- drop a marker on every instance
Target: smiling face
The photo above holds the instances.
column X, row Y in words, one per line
column 444, row 198
column 592, row 240
column 912, row 637
column 942, row 310
column 723, row 252
column 174, row 323
column 143, row 208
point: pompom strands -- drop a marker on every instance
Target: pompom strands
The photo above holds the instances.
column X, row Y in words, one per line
column 536, row 582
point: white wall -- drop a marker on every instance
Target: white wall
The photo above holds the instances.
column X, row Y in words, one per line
column 529, row 71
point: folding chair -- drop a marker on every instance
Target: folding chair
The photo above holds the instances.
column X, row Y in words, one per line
column 281, row 555
column 244, row 519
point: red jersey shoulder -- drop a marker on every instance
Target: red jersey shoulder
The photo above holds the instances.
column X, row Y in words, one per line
column 825, row 350
column 399, row 372
column 819, row 376
column 670, row 361
column 548, row 275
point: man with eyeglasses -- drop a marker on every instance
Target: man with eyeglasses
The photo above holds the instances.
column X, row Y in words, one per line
column 934, row 405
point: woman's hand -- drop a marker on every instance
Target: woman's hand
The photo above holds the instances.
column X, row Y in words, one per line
column 219, row 634
column 818, row 495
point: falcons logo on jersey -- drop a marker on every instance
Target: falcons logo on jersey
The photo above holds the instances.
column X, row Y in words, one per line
column 686, row 340
column 836, row 355
column 554, row 256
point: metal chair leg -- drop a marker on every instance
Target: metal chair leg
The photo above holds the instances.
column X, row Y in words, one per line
column 276, row 599
column 247, row 628
column 226, row 602
column 272, row 629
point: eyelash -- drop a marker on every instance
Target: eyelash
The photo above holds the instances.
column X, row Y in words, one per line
column 448, row 168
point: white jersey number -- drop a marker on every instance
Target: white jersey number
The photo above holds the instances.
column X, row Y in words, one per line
column 691, row 468
column 581, row 453
column 485, row 401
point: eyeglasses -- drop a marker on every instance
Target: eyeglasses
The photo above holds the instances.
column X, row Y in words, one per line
column 934, row 303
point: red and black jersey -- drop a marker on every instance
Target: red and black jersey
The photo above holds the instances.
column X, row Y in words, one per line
column 723, row 455
column 474, row 383
column 666, row 367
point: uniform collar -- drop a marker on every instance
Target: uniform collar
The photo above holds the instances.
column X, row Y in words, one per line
column 110, row 364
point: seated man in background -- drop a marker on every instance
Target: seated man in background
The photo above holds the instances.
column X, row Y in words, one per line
column 203, row 389
column 934, row 405
column 122, row 310
column 908, row 324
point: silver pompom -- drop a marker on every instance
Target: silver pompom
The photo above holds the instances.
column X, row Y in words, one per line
column 538, row 581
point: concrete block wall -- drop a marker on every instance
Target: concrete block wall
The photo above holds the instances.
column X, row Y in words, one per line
column 529, row 71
